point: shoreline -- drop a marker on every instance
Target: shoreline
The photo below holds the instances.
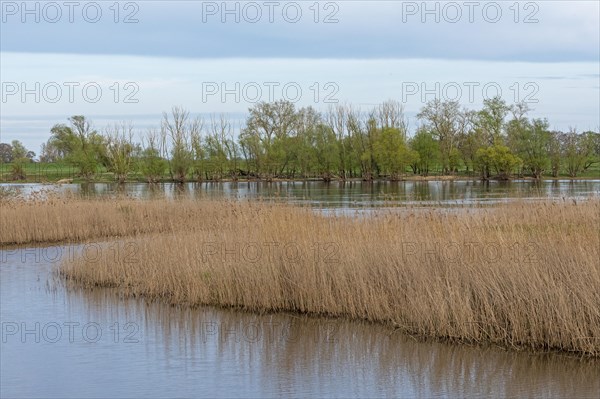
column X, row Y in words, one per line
column 121, row 292
column 446, row 178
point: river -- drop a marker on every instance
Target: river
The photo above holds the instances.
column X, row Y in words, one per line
column 60, row 341
column 342, row 195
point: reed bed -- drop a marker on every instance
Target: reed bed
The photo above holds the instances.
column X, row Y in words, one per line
column 521, row 275
column 57, row 218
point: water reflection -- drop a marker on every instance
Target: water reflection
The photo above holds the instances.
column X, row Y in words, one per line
column 156, row 350
column 298, row 356
column 351, row 194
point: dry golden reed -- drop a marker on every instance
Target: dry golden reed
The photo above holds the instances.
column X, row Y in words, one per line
column 521, row 275
column 59, row 219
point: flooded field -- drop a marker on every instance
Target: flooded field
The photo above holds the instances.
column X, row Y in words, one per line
column 342, row 195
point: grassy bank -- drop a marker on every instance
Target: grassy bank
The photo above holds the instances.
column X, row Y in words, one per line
column 522, row 276
column 40, row 172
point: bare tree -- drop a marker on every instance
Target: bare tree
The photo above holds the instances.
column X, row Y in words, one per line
column 271, row 124
column 119, row 149
column 446, row 120
column 337, row 119
column 217, row 145
column 180, row 129
column 233, row 152
column 153, row 163
column 390, row 115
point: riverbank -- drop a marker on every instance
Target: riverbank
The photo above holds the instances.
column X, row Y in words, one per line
column 522, row 275
column 408, row 178
column 51, row 173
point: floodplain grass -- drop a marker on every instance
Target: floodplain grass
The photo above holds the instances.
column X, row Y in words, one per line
column 39, row 172
column 49, row 172
column 521, row 275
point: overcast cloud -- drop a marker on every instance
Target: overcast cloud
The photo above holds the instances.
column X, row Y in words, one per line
column 174, row 53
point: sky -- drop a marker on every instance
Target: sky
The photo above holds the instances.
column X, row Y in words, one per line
column 132, row 60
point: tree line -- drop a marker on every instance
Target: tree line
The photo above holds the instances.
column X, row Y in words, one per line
column 278, row 140
column 16, row 154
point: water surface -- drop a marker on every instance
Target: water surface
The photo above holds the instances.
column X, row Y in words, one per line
column 344, row 195
column 64, row 342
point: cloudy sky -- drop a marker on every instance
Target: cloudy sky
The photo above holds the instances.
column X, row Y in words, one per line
column 133, row 60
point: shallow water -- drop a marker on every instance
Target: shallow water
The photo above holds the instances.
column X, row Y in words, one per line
column 343, row 195
column 64, row 342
